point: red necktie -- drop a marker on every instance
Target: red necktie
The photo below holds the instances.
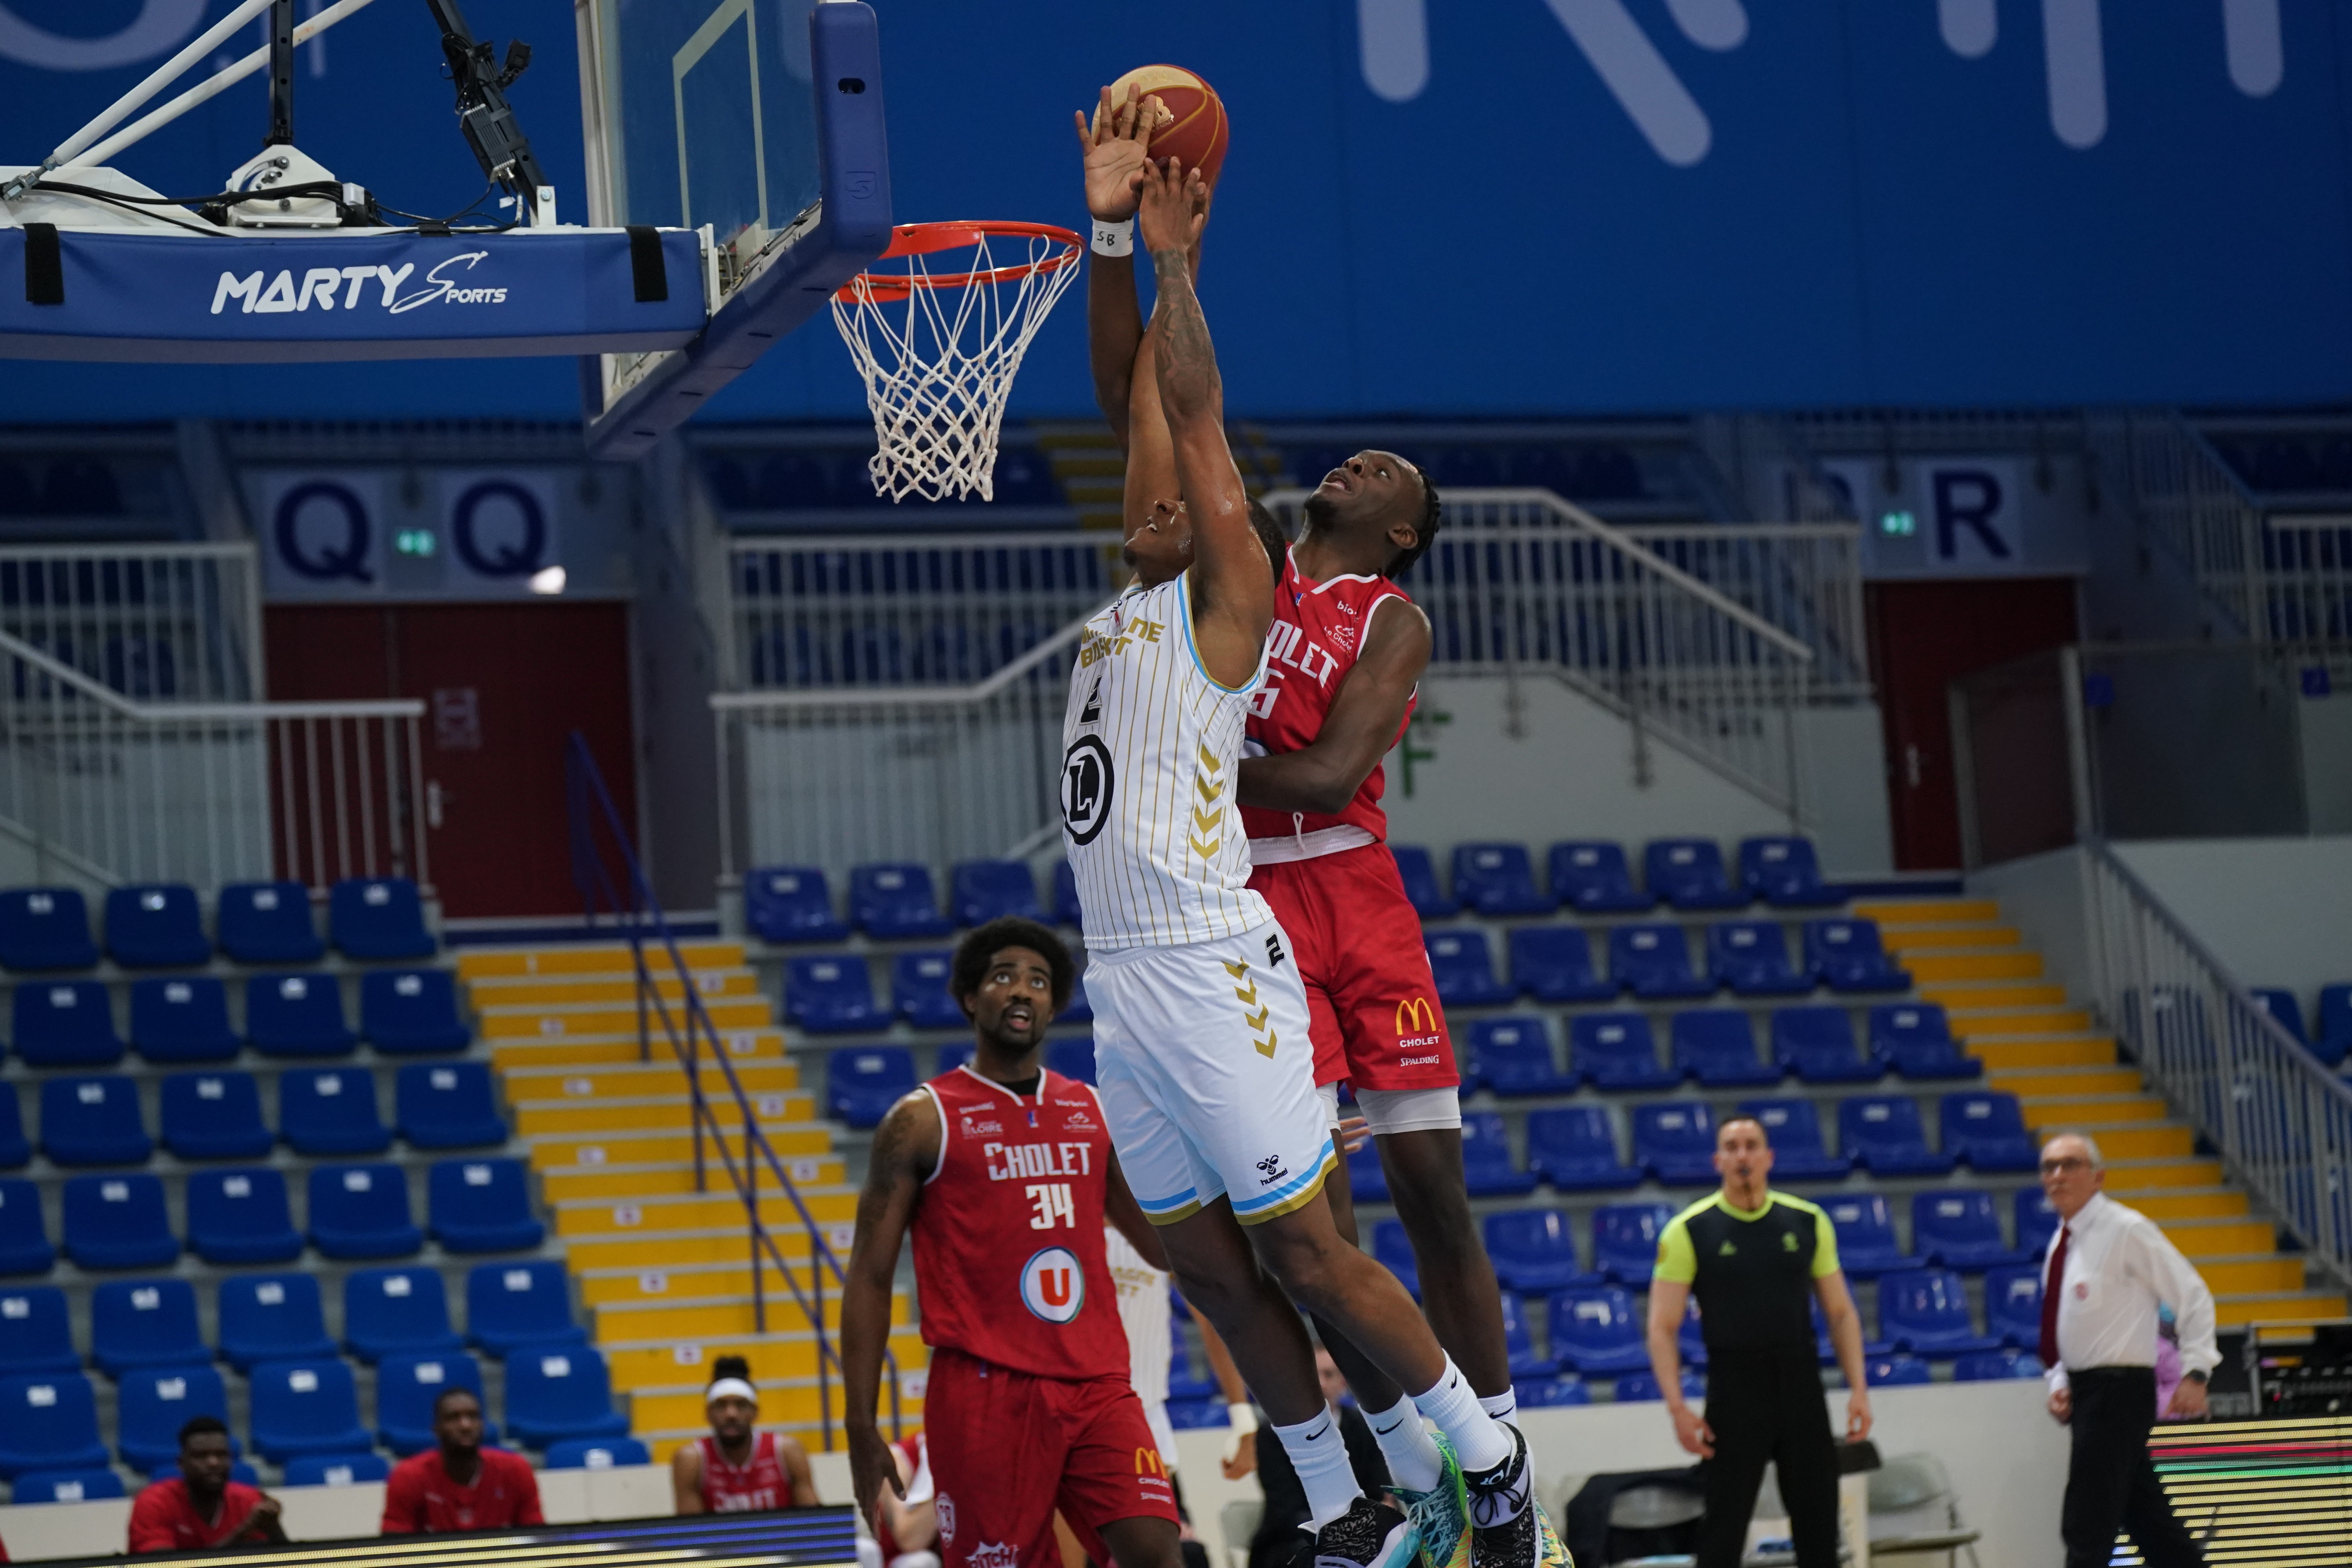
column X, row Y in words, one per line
column 2051, row 1287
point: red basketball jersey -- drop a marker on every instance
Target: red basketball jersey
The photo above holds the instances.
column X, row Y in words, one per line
column 1009, row 1263
column 760, row 1483
column 1318, row 629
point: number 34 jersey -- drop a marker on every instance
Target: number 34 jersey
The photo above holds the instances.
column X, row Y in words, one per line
column 1009, row 1260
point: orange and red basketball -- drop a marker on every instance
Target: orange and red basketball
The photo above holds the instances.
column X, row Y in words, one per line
column 1197, row 134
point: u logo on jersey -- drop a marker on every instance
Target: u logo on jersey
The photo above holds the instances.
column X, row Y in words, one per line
column 1052, row 1285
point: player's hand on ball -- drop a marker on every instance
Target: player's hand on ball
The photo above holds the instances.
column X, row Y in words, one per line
column 1115, row 144
column 871, row 1468
column 1174, row 206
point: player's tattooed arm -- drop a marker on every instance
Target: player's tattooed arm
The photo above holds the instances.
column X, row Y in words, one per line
column 906, row 1152
column 1361, row 725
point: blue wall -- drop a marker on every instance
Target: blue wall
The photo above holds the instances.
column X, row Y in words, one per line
column 1870, row 213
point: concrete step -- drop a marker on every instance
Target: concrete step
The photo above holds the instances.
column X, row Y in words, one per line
column 1995, row 965
column 568, row 1151
column 2042, row 1082
column 2252, row 1275
column 531, row 990
column 631, row 1323
column 1954, row 993
column 646, row 1112
column 626, row 1247
column 2192, row 1203
column 780, row 1355
column 591, row 958
column 704, row 1211
column 1981, row 1022
column 625, row 1184
column 2278, row 1307
column 624, row 1048
column 2228, row 1237
column 2152, row 1139
column 2093, row 1109
column 555, row 1085
column 593, row 1018
column 680, row 1412
column 1927, row 911
column 686, row 1283
column 1999, row 1052
column 2129, row 1176
column 1912, row 938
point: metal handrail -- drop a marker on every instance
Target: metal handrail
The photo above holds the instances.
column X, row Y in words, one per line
column 588, row 802
column 910, row 696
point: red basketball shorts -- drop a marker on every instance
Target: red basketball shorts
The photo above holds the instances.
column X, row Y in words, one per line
column 1373, row 1008
column 1009, row 1450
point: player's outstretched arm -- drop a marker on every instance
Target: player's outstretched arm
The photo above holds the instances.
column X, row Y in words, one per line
column 1114, row 144
column 906, row 1150
column 1362, row 724
column 1231, row 579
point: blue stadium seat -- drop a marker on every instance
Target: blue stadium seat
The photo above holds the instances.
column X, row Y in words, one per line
column 831, row 996
column 1595, row 1329
column 44, row 928
column 1987, row 1129
column 605, row 1453
column 1916, row 1038
column 1960, row 1230
column 93, row 1121
column 1487, row 1163
column 25, row 1246
column 1866, row 1235
column 145, row 1322
column 1418, row 874
column 1882, row 1134
column 1078, row 1010
column 1674, row 1142
column 2280, row 1005
column 1593, row 879
column 1793, row 1128
column 481, row 1205
column 297, row 1016
column 1519, row 1345
column 1367, row 1182
column 981, row 890
column 553, row 1395
column 396, row 1311
column 330, row 1111
column 268, row 922
column 894, row 901
column 1554, row 964
column 513, row 1304
column 1615, row 1051
column 1996, row 1366
column 1817, row 1044
column 1689, row 873
column 1716, row 1046
column 1072, row 1058
column 1752, row 958
column 1925, row 1312
column 48, row 1421
column 378, row 917
column 1067, row 908
column 790, row 903
column 862, row 1082
column 1513, row 1057
column 1533, row 1250
column 14, row 1149
column 1464, row 973
column 411, row 1011
column 267, row 1317
column 215, row 1116
column 35, row 1334
column 302, row 1407
column 1654, row 962
column 1392, row 1249
column 1575, row 1150
column 1625, row 1241
column 1184, row 1380
column 952, row 1056
column 2014, row 1304
column 1844, row 955
column 64, row 1024
column 158, row 926
column 918, row 991
column 2335, row 1041
column 407, row 1383
column 448, row 1105
column 336, row 1469
column 1785, row 873
column 119, row 1223
column 1551, row 1393
column 65, row 1486
column 1895, row 1371
column 1640, row 1387
column 183, row 1020
column 362, row 1211
column 240, row 1472
column 241, row 1217
column 1498, row 879
column 2036, row 1221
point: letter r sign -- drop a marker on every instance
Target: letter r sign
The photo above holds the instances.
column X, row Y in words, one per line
column 1976, row 517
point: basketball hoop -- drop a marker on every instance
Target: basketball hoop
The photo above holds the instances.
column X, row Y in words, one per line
column 938, row 373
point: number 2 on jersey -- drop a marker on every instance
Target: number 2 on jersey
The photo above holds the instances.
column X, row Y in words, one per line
column 1054, row 1205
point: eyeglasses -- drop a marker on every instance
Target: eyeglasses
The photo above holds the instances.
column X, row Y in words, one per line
column 2064, row 1164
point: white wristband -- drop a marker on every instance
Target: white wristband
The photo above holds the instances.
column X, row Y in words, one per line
column 1114, row 238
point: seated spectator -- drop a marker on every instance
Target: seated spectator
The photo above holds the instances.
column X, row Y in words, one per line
column 460, row 1485
column 200, row 1508
column 737, row 1469
column 1280, row 1542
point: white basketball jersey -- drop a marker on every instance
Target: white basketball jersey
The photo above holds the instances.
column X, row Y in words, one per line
column 1151, row 750
column 1143, row 1312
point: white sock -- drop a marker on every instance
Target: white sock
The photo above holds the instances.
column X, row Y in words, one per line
column 1453, row 1410
column 1503, row 1406
column 1321, row 1457
column 1414, row 1462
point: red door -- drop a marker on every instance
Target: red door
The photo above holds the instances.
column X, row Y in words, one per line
column 1924, row 637
column 503, row 687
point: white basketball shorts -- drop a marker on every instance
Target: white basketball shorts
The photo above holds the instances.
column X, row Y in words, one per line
column 1208, row 1078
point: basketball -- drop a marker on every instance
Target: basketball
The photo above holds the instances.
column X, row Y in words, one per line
column 1197, row 134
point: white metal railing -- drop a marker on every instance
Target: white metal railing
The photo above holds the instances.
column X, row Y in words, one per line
column 2187, row 498
column 1768, row 468
column 879, row 611
column 2282, row 1121
column 2307, row 582
column 930, row 774
column 99, row 787
column 159, row 623
column 1803, row 578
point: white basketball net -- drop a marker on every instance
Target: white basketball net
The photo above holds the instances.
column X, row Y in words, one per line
column 938, row 363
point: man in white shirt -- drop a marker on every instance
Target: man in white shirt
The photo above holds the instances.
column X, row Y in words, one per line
column 2107, row 1271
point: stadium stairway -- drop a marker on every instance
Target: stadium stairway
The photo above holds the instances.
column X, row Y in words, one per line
column 2010, row 1013
column 662, row 1269
column 1085, row 458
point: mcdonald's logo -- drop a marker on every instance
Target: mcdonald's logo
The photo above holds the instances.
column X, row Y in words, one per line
column 1148, row 1463
column 1416, row 1011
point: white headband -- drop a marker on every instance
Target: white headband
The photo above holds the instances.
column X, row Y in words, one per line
column 734, row 1385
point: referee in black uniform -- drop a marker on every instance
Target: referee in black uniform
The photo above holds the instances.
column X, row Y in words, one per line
column 1755, row 1259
